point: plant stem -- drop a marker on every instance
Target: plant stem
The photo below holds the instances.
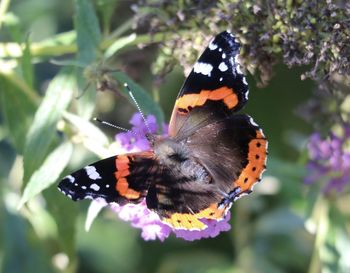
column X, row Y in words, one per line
column 46, row 49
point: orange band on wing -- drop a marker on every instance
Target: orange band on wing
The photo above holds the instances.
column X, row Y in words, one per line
column 122, row 185
column 189, row 221
column 257, row 152
column 122, row 162
column 184, row 221
column 227, row 95
column 121, row 173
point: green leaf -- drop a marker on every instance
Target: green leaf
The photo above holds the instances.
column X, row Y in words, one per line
column 88, row 31
column 106, row 9
column 43, row 130
column 61, row 39
column 94, row 139
column 48, row 173
column 119, row 44
column 21, row 241
column 65, row 213
column 146, row 102
column 26, row 64
column 18, row 108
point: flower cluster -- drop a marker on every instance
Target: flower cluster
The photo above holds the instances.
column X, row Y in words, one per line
column 138, row 214
column 153, row 228
column 266, row 31
column 330, row 160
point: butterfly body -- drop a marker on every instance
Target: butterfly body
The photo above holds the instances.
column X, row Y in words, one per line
column 212, row 155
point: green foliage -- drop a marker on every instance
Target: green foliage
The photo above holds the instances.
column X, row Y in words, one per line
column 46, row 130
column 88, row 31
column 18, row 108
column 149, row 106
column 48, row 173
column 42, row 133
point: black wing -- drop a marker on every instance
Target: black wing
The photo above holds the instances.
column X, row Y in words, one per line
column 121, row 179
column 215, row 87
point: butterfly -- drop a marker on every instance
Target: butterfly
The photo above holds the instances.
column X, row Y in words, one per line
column 212, row 156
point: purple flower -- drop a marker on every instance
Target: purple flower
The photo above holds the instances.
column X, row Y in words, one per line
column 143, row 218
column 135, row 140
column 214, row 228
column 139, row 215
column 152, row 227
column 329, row 160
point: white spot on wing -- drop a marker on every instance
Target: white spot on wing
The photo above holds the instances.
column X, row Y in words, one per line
column 220, row 49
column 223, row 55
column 246, row 94
column 238, row 67
column 240, row 196
column 252, row 122
column 95, row 187
column 70, row 178
column 83, row 187
column 221, row 79
column 223, row 67
column 212, row 46
column 261, row 132
column 92, row 173
column 107, row 186
column 244, row 81
column 203, row 68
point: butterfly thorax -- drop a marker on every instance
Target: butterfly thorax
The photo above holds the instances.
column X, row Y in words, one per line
column 177, row 158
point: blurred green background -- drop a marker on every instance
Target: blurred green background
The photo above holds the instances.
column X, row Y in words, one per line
column 45, row 50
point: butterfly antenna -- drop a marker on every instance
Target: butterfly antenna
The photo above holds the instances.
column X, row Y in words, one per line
column 114, row 126
column 138, row 108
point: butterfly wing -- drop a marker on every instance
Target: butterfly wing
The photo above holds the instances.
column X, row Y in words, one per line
column 233, row 152
column 132, row 177
column 231, row 148
column 182, row 201
column 121, row 179
column 215, row 87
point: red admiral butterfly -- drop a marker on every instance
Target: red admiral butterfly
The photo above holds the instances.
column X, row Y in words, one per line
column 212, row 156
